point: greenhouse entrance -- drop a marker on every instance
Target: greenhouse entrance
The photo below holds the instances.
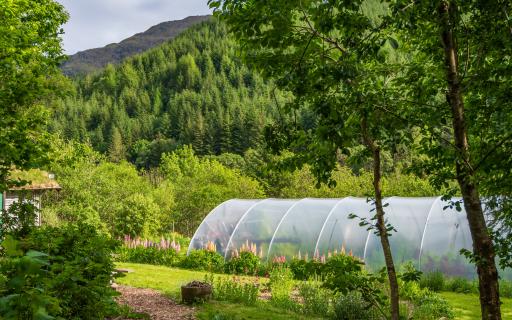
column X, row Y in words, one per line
column 430, row 231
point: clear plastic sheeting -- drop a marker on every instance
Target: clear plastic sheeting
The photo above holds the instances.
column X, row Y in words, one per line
column 219, row 225
column 298, row 231
column 430, row 232
column 257, row 226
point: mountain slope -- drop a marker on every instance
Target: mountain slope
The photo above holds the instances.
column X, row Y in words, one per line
column 192, row 90
column 94, row 59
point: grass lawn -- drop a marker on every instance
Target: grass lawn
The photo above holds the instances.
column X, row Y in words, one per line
column 261, row 311
column 467, row 306
column 163, row 279
column 169, row 281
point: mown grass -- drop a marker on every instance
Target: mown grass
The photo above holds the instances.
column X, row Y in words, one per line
column 467, row 306
column 164, row 279
column 261, row 311
column 169, row 280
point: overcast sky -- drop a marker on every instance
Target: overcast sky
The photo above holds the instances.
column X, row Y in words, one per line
column 96, row 23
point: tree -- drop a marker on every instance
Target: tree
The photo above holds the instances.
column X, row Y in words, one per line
column 30, row 51
column 458, row 91
column 162, row 92
column 388, row 65
column 326, row 54
column 116, row 151
column 200, row 184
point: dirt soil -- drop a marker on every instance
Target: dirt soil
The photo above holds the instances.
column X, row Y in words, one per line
column 153, row 303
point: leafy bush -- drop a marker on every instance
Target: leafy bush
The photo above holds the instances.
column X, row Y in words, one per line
column 79, row 269
column 433, row 281
column 281, row 285
column 200, row 184
column 19, row 220
column 351, row 306
column 113, row 197
column 21, row 284
column 411, row 290
column 203, row 260
column 245, row 263
column 344, row 274
column 234, row 290
column 426, row 304
column 304, row 269
column 57, row 272
column 460, row 285
column 463, row 285
column 409, row 272
column 432, row 307
column 150, row 255
column 316, row 300
column 299, row 269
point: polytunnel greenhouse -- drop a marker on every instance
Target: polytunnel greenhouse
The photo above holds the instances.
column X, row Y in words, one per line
column 430, row 232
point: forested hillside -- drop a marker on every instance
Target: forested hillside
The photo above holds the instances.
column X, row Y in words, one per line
column 94, row 59
column 192, row 90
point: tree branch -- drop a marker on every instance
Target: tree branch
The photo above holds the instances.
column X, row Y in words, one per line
column 492, row 150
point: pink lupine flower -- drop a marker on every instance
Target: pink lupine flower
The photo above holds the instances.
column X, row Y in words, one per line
column 279, row 259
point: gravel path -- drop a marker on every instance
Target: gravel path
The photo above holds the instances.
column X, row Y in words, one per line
column 149, row 301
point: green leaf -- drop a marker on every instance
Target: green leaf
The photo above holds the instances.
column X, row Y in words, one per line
column 10, row 246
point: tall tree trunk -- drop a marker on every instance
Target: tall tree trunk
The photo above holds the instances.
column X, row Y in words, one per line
column 483, row 247
column 381, row 224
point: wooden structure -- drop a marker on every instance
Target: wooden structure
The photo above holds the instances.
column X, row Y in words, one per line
column 32, row 192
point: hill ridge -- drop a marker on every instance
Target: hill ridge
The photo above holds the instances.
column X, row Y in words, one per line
column 91, row 60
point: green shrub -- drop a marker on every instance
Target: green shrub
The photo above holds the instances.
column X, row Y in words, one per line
column 344, row 274
column 425, row 304
column 150, row 255
column 433, row 281
column 316, row 300
column 408, row 272
column 245, row 263
column 22, row 284
column 460, row 285
column 410, row 290
column 351, row 306
column 203, row 260
column 432, row 307
column 304, row 269
column 79, row 269
column 281, row 285
column 19, row 220
column 234, row 290
column 299, row 269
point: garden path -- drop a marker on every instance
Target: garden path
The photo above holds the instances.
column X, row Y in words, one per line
column 153, row 303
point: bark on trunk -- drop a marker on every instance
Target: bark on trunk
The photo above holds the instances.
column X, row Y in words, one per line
column 482, row 243
column 381, row 225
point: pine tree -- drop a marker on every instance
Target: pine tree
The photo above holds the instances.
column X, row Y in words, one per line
column 116, row 151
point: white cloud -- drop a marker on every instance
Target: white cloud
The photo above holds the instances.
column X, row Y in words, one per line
column 96, row 23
